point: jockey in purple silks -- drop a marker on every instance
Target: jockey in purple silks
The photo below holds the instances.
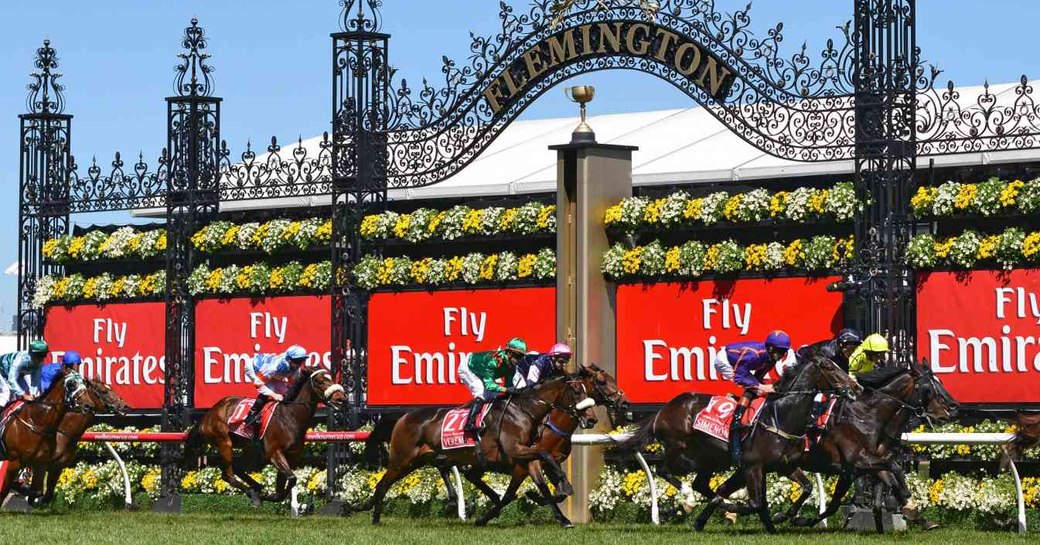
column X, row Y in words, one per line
column 534, row 368
column 747, row 363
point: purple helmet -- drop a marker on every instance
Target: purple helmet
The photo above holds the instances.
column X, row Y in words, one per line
column 778, row 339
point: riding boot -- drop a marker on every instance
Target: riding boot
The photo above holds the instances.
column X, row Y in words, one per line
column 471, row 420
column 253, row 418
column 735, row 429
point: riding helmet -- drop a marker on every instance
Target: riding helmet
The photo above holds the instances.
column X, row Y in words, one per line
column 560, row 349
column 517, row 345
column 849, row 336
column 71, row 358
column 778, row 339
column 39, row 346
column 296, row 352
column 875, row 343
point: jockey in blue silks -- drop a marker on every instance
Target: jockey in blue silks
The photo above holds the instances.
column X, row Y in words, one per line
column 70, row 360
column 272, row 374
column 747, row 363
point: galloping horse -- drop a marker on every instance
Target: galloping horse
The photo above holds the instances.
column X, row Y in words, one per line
column 416, row 438
column 29, row 437
column 72, row 426
column 282, row 444
column 769, row 446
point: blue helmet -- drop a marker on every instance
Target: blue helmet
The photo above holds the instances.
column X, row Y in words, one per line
column 849, row 336
column 296, row 352
column 70, row 358
column 778, row 339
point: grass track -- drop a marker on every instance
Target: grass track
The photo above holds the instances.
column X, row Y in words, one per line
column 119, row 528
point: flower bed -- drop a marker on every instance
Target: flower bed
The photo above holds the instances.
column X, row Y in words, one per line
column 803, row 205
column 990, row 198
column 693, row 259
column 76, row 288
column 268, row 237
column 475, row 268
column 1010, row 249
column 123, row 243
column 261, row 279
column 460, row 221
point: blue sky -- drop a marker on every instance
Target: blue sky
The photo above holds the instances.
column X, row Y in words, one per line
column 272, row 65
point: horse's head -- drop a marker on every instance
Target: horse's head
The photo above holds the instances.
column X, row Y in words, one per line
column 936, row 402
column 108, row 397
column 604, row 390
column 323, row 384
column 78, row 397
column 577, row 401
column 818, row 372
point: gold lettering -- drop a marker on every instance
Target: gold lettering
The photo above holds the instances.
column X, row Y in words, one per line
column 586, row 40
column 562, row 52
column 507, row 76
column 606, row 34
column 717, row 80
column 667, row 37
column 535, row 62
column 644, row 45
column 493, row 94
column 680, row 59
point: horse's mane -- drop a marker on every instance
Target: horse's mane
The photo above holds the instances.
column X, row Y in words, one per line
column 297, row 386
column 528, row 392
column 880, row 376
column 794, row 371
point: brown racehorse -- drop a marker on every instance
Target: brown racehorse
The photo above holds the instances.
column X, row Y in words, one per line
column 771, row 444
column 282, row 444
column 71, row 428
column 511, row 422
column 29, row 437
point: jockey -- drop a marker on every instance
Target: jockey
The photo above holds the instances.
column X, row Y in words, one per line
column 837, row 350
column 51, row 371
column 20, row 373
column 482, row 370
column 869, row 355
column 534, row 368
column 272, row 374
column 747, row 363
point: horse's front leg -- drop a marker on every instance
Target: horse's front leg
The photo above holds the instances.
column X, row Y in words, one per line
column 805, row 490
column 519, row 474
column 286, row 478
column 535, row 470
column 474, row 477
column 453, row 497
column 845, row 479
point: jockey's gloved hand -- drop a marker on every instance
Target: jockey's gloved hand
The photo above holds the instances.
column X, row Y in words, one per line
column 512, row 391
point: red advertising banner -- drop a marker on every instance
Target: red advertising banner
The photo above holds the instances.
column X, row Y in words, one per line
column 669, row 333
column 229, row 332
column 980, row 331
column 122, row 345
column 417, row 339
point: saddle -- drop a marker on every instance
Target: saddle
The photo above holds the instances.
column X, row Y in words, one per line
column 715, row 418
column 241, row 411
column 453, row 434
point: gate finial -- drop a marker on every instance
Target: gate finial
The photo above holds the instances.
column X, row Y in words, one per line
column 193, row 67
column 360, row 15
column 45, row 93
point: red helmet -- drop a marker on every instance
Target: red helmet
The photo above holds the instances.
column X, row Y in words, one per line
column 560, row 349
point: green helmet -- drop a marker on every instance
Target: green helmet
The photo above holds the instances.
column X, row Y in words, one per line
column 38, row 346
column 517, row 345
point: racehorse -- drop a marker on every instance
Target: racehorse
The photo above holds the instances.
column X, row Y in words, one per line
column 863, row 435
column 416, row 439
column 768, row 446
column 281, row 445
column 29, row 437
column 73, row 425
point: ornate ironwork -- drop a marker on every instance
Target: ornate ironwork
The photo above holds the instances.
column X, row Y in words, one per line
column 193, row 67
column 296, row 174
column 119, row 189
column 354, row 17
column 45, row 93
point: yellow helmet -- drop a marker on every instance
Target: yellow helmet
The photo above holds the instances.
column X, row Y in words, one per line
column 875, row 343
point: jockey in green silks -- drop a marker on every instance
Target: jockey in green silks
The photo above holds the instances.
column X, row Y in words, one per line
column 482, row 371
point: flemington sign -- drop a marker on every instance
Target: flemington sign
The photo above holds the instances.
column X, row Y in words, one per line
column 635, row 39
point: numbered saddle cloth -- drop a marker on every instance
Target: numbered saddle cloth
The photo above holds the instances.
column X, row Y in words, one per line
column 715, row 418
column 453, row 434
column 241, row 411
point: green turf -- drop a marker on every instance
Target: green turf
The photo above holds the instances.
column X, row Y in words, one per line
column 119, row 528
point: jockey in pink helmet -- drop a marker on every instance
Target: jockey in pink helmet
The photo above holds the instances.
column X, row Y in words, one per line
column 534, row 368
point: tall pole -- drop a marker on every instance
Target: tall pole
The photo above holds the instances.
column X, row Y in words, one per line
column 44, row 167
column 192, row 198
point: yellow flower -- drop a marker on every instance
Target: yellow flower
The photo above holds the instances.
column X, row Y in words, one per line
column 90, row 290
column 796, row 490
column 942, row 249
column 632, row 260
column 755, row 256
column 242, row 280
column 965, row 196
column 963, row 450
column 487, row 268
column 546, row 216
column 777, row 204
column 988, row 247
column 1010, row 193
column 199, row 237
column 118, row 285
column 190, row 480
column 404, row 221
column 160, row 243
column 692, row 210
column 923, row 199
column 473, row 222
column 1031, row 245
column 506, row 220
column 633, row 483
column 671, row 260
column 292, row 230
column 60, row 287
column 135, row 242
column 67, row 476
column 324, row 232
column 374, row 479
column 525, row 267
column 77, row 246
column 454, row 269
column 613, row 215
column 49, row 247
column 818, row 201
column 935, row 492
column 435, row 221
column 368, row 226
column 309, row 278
column 89, row 479
column 711, row 257
column 148, row 482
column 794, row 254
column 230, row 236
column 384, row 271
column 732, row 207
column 213, row 280
column 420, row 270
column 652, row 212
column 277, row 280
column 220, row 486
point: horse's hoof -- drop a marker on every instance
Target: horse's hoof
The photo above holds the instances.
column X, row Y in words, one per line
column 255, row 500
column 699, row 524
column 568, row 525
column 779, row 518
column 928, row 525
column 802, row 522
column 481, row 523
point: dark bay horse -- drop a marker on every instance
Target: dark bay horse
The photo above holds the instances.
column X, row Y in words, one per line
column 30, row 436
column 774, row 443
column 73, row 425
column 416, row 440
column 282, row 444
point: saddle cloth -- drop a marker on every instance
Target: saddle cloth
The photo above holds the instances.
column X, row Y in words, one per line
column 715, row 418
column 241, row 411
column 826, row 415
column 453, row 434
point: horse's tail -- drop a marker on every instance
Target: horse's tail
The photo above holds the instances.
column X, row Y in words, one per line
column 193, row 446
column 643, row 435
column 376, row 454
